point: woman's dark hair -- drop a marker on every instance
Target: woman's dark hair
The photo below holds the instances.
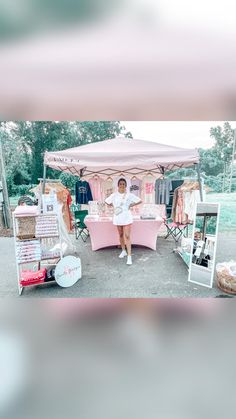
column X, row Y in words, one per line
column 122, row 180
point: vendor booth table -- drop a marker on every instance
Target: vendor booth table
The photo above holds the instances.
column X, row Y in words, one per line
column 104, row 234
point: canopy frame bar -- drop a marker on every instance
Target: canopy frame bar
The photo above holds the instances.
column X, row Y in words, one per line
column 160, row 170
column 84, row 172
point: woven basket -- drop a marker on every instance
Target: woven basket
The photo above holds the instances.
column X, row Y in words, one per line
column 26, row 228
column 225, row 281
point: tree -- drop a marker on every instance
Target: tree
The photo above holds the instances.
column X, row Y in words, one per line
column 210, row 162
column 25, row 143
column 16, row 155
column 224, row 138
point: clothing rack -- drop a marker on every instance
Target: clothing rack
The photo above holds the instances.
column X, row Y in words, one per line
column 160, row 170
column 175, row 184
column 49, row 180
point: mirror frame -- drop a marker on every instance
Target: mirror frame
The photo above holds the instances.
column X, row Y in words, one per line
column 214, row 255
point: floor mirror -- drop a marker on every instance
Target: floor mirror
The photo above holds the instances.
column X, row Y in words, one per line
column 204, row 242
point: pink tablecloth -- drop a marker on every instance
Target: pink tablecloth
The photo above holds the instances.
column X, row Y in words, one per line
column 104, row 234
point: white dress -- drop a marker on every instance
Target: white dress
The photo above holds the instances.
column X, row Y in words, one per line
column 123, row 201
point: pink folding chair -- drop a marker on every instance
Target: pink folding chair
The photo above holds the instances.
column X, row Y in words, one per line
column 175, row 230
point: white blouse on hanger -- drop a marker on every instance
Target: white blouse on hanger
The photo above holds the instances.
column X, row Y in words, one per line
column 148, row 189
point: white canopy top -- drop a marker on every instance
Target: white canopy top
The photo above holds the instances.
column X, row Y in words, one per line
column 113, row 156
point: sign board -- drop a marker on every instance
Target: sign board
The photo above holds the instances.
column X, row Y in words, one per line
column 50, row 203
column 68, row 271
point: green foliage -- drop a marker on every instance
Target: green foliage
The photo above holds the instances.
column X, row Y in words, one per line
column 215, row 162
column 182, row 173
column 32, row 16
column 210, row 162
column 17, row 159
column 214, row 182
column 69, row 181
column 24, row 145
column 224, row 138
column 19, row 190
column 227, row 202
column 210, row 224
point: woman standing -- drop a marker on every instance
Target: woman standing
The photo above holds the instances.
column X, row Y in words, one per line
column 122, row 201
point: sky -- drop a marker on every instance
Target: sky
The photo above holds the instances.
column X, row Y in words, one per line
column 210, row 15
column 190, row 134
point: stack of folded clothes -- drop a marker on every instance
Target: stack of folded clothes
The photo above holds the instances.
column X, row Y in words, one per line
column 26, row 211
column 47, row 226
column 28, row 251
column 32, row 278
column 148, row 217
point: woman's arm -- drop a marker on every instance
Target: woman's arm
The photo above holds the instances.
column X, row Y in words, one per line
column 108, row 201
column 135, row 203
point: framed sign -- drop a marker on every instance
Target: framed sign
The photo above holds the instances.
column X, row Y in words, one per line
column 68, row 271
column 50, row 203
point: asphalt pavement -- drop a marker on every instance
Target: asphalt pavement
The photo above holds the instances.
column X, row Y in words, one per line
column 160, row 273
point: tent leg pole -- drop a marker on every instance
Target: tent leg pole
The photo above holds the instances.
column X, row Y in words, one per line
column 43, row 186
column 200, row 181
column 44, row 178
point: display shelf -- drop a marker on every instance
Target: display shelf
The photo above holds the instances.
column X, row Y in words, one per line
column 26, row 215
column 40, row 283
column 48, row 237
column 18, row 240
column 38, row 260
column 26, row 240
column 38, row 238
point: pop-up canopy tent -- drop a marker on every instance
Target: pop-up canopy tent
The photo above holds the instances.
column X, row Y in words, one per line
column 129, row 156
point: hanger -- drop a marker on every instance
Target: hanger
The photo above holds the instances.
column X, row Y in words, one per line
column 95, row 176
column 109, row 178
column 134, row 177
column 122, row 174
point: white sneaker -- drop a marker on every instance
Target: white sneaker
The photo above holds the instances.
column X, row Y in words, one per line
column 123, row 254
column 129, row 260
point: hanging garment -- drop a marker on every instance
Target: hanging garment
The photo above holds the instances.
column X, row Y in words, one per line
column 191, row 199
column 162, row 191
column 200, row 248
column 136, row 186
column 83, row 192
column 209, row 246
column 175, row 198
column 95, row 184
column 178, row 215
column 107, row 188
column 63, row 197
column 148, row 190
